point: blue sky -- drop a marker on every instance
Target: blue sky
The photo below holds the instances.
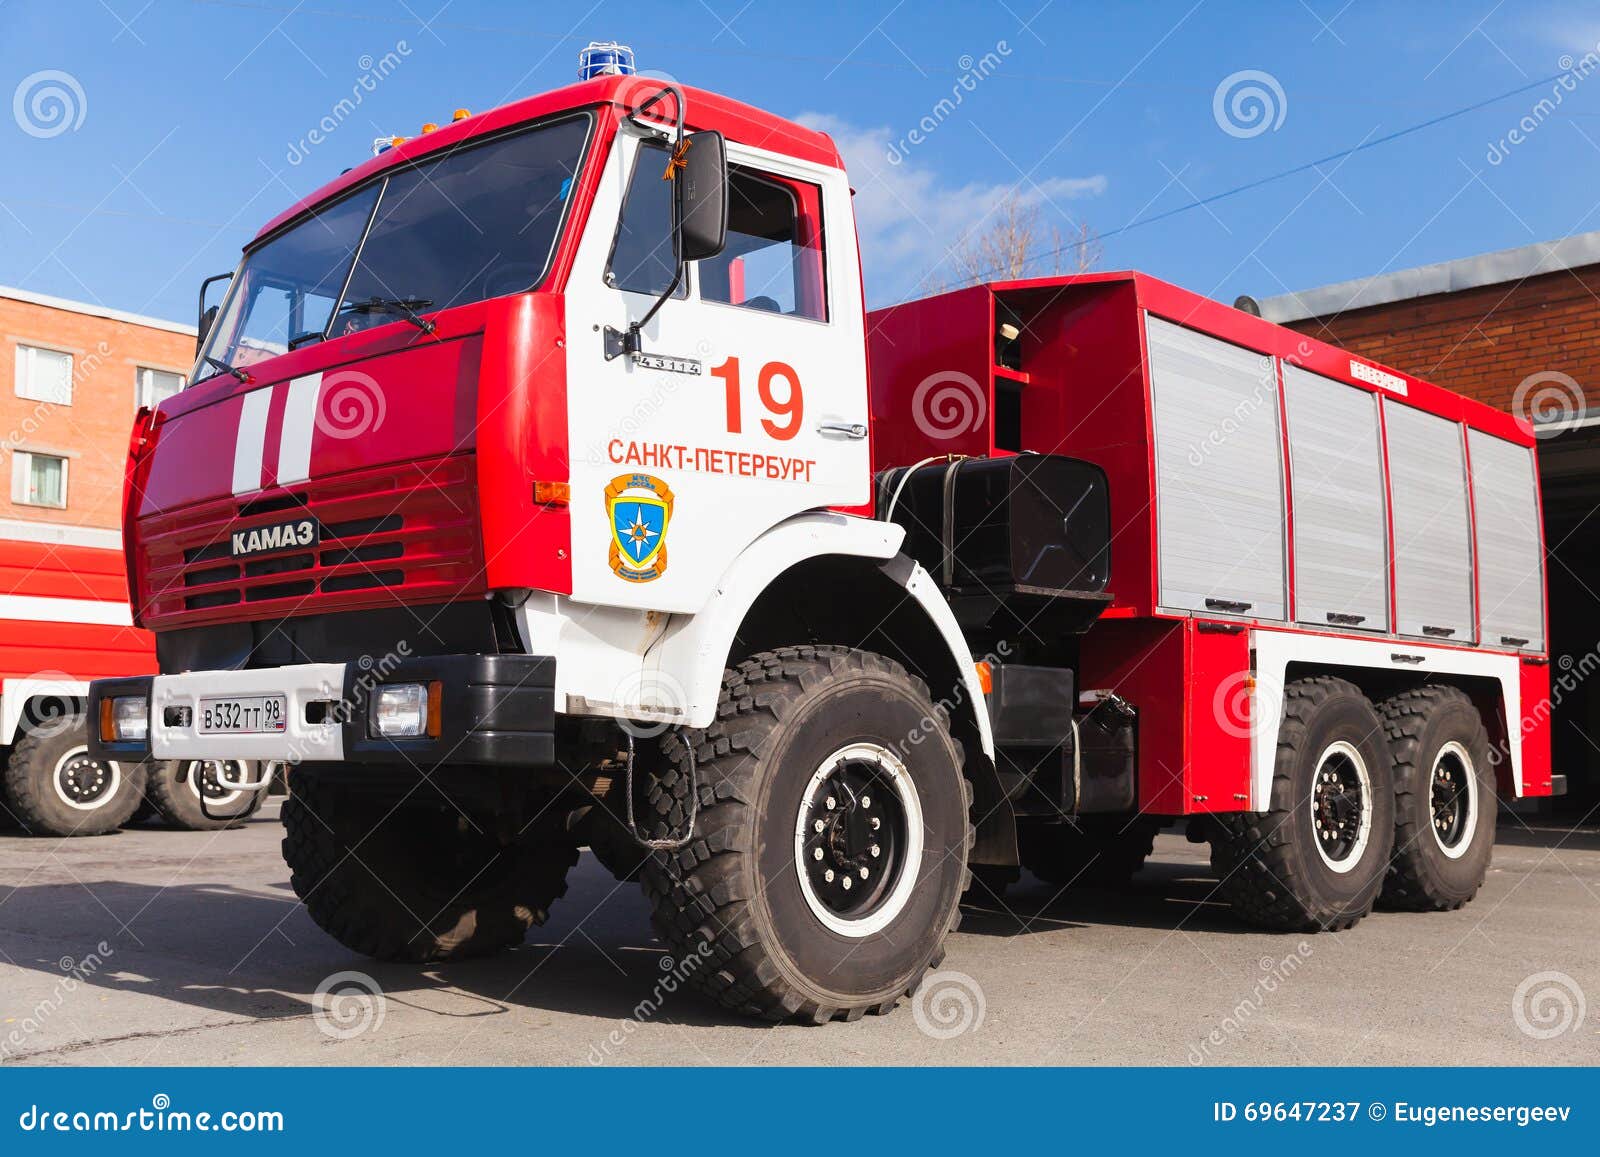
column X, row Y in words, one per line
column 189, row 121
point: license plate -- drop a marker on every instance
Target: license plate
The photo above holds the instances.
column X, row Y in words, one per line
column 244, row 715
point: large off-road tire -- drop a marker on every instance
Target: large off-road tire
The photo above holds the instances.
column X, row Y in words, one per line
column 1317, row 858
column 53, row 787
column 172, row 790
column 414, row 883
column 1102, row 851
column 1444, row 814
column 774, row 928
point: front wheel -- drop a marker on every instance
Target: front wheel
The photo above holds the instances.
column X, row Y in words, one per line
column 414, row 882
column 829, row 853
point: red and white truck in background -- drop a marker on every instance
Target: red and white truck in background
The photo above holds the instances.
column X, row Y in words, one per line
column 64, row 620
column 544, row 483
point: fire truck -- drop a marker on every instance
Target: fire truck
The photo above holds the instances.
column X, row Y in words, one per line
column 544, row 483
column 65, row 617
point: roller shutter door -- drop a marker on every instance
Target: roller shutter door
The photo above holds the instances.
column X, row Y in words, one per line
column 1341, row 547
column 1219, row 478
column 1432, row 540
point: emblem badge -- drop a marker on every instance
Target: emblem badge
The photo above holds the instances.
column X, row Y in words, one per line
column 639, row 508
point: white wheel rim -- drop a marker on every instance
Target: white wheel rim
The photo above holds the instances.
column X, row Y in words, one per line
column 192, row 776
column 80, row 755
column 1469, row 825
column 1341, row 758
column 891, row 773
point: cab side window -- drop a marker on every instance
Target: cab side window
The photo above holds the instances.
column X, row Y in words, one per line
column 774, row 258
column 643, row 259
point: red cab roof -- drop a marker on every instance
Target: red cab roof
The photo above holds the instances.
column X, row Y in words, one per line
column 706, row 110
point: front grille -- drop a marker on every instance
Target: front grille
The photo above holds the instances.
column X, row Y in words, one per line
column 405, row 533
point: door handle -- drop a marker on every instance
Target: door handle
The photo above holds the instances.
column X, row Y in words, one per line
column 853, row 430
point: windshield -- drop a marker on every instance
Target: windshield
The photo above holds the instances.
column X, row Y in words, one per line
column 473, row 223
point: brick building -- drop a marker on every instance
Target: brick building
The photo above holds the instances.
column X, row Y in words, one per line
column 71, row 377
column 1520, row 330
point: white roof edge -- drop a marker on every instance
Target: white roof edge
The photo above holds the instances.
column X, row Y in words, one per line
column 60, row 534
column 1443, row 277
column 85, row 307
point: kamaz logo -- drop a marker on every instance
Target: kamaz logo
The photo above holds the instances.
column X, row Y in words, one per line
column 283, row 536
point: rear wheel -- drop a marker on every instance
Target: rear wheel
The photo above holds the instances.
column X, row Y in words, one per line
column 830, row 848
column 54, row 787
column 174, row 790
column 414, row 883
column 1444, row 799
column 1316, row 859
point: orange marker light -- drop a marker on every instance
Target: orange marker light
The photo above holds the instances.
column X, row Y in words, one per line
column 460, row 114
column 428, row 128
column 435, row 716
column 985, row 677
column 397, row 140
column 552, row 493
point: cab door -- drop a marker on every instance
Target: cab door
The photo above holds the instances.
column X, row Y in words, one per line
column 748, row 402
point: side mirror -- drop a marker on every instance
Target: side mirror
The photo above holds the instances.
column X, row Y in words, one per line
column 208, row 313
column 207, row 320
column 703, row 197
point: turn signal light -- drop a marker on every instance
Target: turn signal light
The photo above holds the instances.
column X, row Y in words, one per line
column 552, row 493
column 985, row 677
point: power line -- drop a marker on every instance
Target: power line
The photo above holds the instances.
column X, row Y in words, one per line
column 1300, row 168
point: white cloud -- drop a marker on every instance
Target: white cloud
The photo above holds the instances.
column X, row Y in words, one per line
column 908, row 219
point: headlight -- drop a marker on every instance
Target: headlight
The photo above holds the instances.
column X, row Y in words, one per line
column 400, row 711
column 124, row 719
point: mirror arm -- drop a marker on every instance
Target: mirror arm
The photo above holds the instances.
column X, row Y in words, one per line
column 630, row 342
column 200, row 318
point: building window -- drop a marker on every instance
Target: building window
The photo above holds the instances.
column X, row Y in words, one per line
column 156, row 386
column 38, row 479
column 44, row 375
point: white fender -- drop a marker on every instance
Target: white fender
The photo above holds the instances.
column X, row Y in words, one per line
column 14, row 699
column 623, row 663
column 1276, row 650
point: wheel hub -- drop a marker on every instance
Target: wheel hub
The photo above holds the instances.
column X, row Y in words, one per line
column 1450, row 800
column 84, row 782
column 858, row 838
column 1339, row 806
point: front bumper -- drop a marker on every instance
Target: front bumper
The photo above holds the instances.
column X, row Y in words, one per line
column 494, row 709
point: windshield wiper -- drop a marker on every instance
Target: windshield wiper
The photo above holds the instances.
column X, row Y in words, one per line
column 406, row 307
column 218, row 363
